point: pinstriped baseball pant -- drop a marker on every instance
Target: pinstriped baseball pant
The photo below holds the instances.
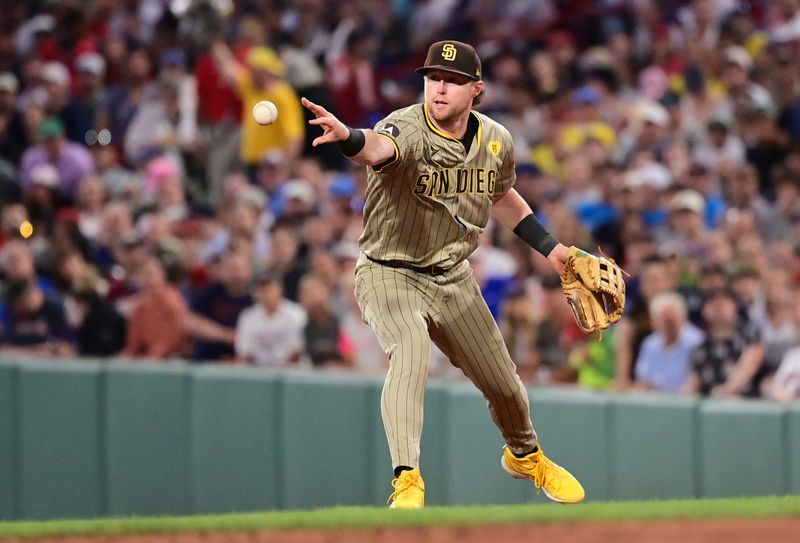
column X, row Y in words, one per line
column 407, row 310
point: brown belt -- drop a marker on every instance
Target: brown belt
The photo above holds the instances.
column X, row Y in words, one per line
column 430, row 270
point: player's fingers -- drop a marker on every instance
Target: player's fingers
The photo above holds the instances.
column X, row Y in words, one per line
column 319, row 111
column 327, row 137
column 324, row 121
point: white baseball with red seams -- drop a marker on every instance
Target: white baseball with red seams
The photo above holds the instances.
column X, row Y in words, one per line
column 265, row 112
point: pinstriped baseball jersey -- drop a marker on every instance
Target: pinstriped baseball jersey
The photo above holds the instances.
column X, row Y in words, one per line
column 428, row 205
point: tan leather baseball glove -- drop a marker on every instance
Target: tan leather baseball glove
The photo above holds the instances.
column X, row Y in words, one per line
column 595, row 289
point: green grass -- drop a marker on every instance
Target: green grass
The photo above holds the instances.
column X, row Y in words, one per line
column 370, row 517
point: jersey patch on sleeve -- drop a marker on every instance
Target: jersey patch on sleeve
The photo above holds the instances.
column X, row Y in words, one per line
column 389, row 129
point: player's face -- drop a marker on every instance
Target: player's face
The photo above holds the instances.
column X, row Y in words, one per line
column 449, row 95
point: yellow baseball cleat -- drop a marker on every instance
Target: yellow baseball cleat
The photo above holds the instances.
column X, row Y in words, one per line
column 557, row 483
column 409, row 491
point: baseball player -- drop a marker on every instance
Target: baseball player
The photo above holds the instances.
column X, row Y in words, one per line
column 437, row 170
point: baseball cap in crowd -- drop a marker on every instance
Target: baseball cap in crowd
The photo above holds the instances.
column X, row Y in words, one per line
column 9, row 82
column 586, row 95
column 738, row 56
column 688, row 200
column 654, row 175
column 653, row 112
column 452, row 56
column 273, row 157
column 173, row 58
column 612, row 26
column 343, row 186
column 252, row 196
column 56, row 73
column 528, row 168
column 265, row 59
column 49, row 128
column 300, row 190
column 90, row 62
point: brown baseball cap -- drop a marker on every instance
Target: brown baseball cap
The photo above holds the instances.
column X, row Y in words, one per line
column 453, row 56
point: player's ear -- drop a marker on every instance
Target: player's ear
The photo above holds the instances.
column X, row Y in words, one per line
column 477, row 88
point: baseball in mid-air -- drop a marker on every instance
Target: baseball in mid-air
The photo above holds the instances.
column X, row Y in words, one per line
column 265, row 112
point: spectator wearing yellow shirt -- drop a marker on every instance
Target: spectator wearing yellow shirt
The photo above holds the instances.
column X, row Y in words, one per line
column 586, row 124
column 261, row 78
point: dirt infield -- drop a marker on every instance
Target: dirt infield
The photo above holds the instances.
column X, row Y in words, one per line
column 775, row 530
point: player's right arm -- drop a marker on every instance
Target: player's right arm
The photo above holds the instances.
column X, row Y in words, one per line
column 376, row 149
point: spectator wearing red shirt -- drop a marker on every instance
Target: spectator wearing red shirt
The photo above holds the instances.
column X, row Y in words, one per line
column 219, row 116
column 352, row 81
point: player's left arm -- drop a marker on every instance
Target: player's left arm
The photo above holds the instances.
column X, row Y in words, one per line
column 513, row 212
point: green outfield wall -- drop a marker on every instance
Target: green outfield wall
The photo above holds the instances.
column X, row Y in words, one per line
column 89, row 439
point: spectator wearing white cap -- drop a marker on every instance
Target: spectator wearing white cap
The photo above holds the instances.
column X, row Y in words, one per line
column 686, row 229
column 649, row 123
column 297, row 200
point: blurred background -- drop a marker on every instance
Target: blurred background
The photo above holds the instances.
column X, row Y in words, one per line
column 145, row 216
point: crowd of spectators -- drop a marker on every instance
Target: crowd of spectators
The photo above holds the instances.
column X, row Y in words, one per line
column 145, row 214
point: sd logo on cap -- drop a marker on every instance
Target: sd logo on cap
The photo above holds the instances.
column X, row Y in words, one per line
column 453, row 56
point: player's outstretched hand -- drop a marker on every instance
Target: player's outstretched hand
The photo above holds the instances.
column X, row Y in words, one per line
column 333, row 129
